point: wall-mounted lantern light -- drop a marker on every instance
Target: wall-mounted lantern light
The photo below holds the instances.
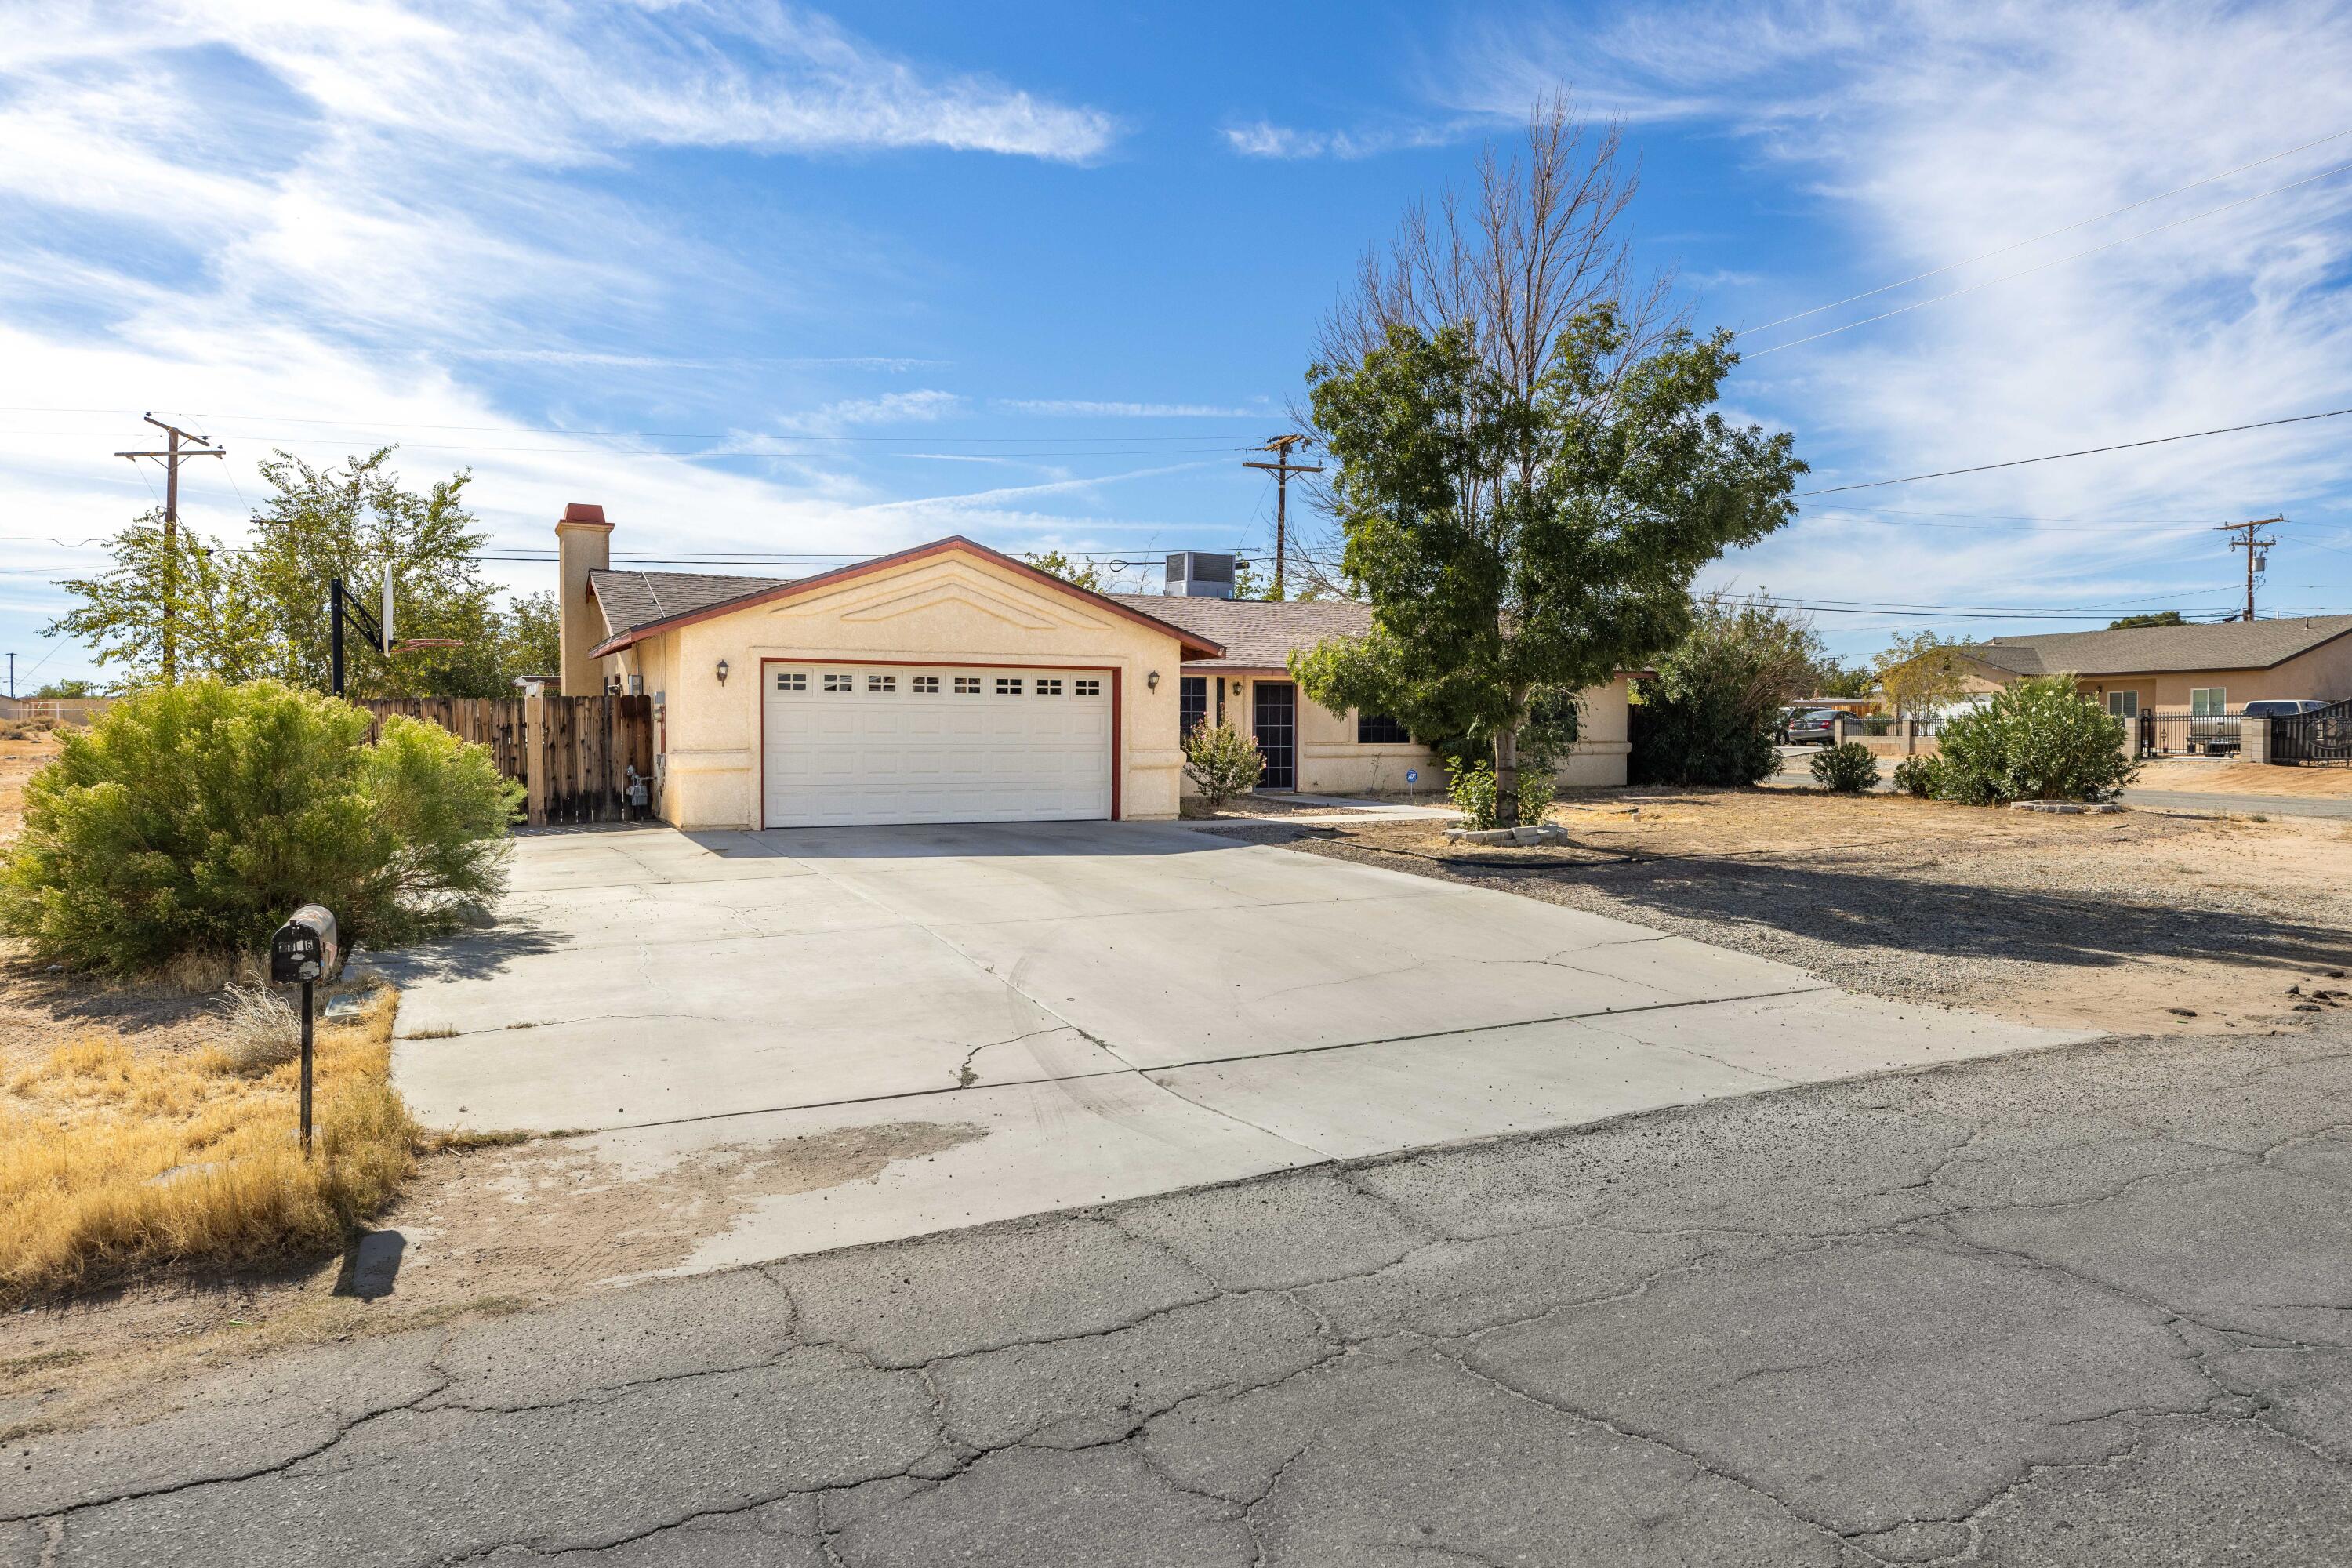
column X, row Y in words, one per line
column 1152, row 680
column 722, row 672
column 1237, row 689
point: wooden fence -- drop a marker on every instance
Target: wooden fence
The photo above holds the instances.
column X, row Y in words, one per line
column 573, row 755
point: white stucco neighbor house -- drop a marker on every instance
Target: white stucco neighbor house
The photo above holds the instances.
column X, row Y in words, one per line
column 952, row 683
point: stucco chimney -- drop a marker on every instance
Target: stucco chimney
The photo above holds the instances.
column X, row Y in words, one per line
column 583, row 544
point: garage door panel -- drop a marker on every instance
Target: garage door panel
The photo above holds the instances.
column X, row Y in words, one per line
column 871, row 746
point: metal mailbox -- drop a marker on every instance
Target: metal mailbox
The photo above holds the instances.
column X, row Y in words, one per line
column 305, row 947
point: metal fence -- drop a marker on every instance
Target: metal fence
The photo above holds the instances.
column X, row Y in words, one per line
column 2182, row 733
column 2323, row 737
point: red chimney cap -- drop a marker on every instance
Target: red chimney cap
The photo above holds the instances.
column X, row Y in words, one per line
column 582, row 511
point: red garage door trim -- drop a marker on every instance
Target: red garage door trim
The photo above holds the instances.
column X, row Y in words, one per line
column 1117, row 728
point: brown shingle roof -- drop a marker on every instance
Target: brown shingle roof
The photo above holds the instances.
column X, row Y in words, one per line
column 648, row 600
column 633, row 599
column 2226, row 645
column 1257, row 634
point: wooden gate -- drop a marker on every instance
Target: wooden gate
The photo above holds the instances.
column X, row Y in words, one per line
column 573, row 755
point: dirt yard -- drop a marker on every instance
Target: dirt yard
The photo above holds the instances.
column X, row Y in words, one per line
column 23, row 752
column 2137, row 923
column 2241, row 778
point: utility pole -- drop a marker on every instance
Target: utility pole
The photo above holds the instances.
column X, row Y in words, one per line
column 1282, row 468
column 12, row 677
column 171, row 454
column 2253, row 547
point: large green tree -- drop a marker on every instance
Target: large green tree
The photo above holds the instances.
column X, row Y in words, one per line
column 1526, row 467
column 1518, row 543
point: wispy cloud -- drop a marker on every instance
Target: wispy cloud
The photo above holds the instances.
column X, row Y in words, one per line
column 1920, row 135
column 1264, row 138
column 1084, row 408
column 924, row 407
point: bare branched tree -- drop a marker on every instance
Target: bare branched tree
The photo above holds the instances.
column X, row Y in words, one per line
column 1538, row 240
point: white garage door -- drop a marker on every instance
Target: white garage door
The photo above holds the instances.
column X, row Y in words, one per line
column 854, row 745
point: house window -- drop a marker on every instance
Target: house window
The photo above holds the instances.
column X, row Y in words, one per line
column 967, row 685
column 881, row 683
column 1086, row 688
column 2124, row 704
column 2208, row 701
column 1191, row 702
column 1046, row 687
column 1380, row 730
column 924, row 685
column 840, row 683
column 1008, row 686
column 792, row 681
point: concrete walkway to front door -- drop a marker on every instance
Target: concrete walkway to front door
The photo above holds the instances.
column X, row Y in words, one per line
column 1077, row 1012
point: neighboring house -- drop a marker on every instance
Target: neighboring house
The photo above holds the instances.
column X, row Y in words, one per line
column 952, row 683
column 2206, row 668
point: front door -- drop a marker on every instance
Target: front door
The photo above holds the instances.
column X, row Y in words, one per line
column 1277, row 717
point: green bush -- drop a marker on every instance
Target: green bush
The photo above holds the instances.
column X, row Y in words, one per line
column 1222, row 761
column 1710, row 712
column 2038, row 740
column 1848, row 769
column 194, row 818
column 1917, row 777
column 1472, row 790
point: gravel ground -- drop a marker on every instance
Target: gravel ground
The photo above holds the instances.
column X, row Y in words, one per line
column 2127, row 921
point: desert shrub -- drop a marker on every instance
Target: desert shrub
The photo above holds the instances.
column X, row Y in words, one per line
column 1710, row 712
column 259, row 1029
column 191, row 819
column 1848, row 769
column 1916, row 776
column 2038, row 740
column 1472, row 790
column 1222, row 761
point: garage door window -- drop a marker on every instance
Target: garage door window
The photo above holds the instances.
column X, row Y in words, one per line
column 924, row 685
column 1046, row 687
column 881, row 683
column 1088, row 689
column 1008, row 686
column 792, row 681
column 839, row 683
column 967, row 685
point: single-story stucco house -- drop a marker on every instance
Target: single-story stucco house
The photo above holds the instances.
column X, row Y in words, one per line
column 952, row 683
column 2216, row 668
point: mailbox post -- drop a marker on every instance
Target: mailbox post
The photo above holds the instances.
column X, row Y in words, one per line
column 304, row 951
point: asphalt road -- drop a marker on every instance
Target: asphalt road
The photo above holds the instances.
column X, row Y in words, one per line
column 2091, row 1305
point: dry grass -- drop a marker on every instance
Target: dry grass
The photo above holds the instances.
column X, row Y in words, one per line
column 115, row 1162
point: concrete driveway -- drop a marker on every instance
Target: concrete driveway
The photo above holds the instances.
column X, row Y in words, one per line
column 1093, row 1011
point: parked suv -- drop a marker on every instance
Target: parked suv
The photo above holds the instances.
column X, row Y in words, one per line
column 2282, row 707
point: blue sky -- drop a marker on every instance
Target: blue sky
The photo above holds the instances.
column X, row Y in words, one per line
column 817, row 283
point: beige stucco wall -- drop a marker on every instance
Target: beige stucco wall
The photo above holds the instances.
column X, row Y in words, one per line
column 580, row 547
column 1330, row 761
column 942, row 608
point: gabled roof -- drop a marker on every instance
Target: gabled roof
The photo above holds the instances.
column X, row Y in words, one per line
column 720, row 595
column 1257, row 633
column 2134, row 650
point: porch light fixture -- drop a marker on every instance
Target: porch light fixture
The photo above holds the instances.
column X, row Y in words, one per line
column 1152, row 680
column 722, row 672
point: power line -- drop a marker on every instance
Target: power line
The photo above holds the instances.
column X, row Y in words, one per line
column 2085, row 452
column 2039, row 266
column 2049, row 234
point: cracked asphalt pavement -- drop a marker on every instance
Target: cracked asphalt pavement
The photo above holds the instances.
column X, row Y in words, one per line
column 2091, row 1305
